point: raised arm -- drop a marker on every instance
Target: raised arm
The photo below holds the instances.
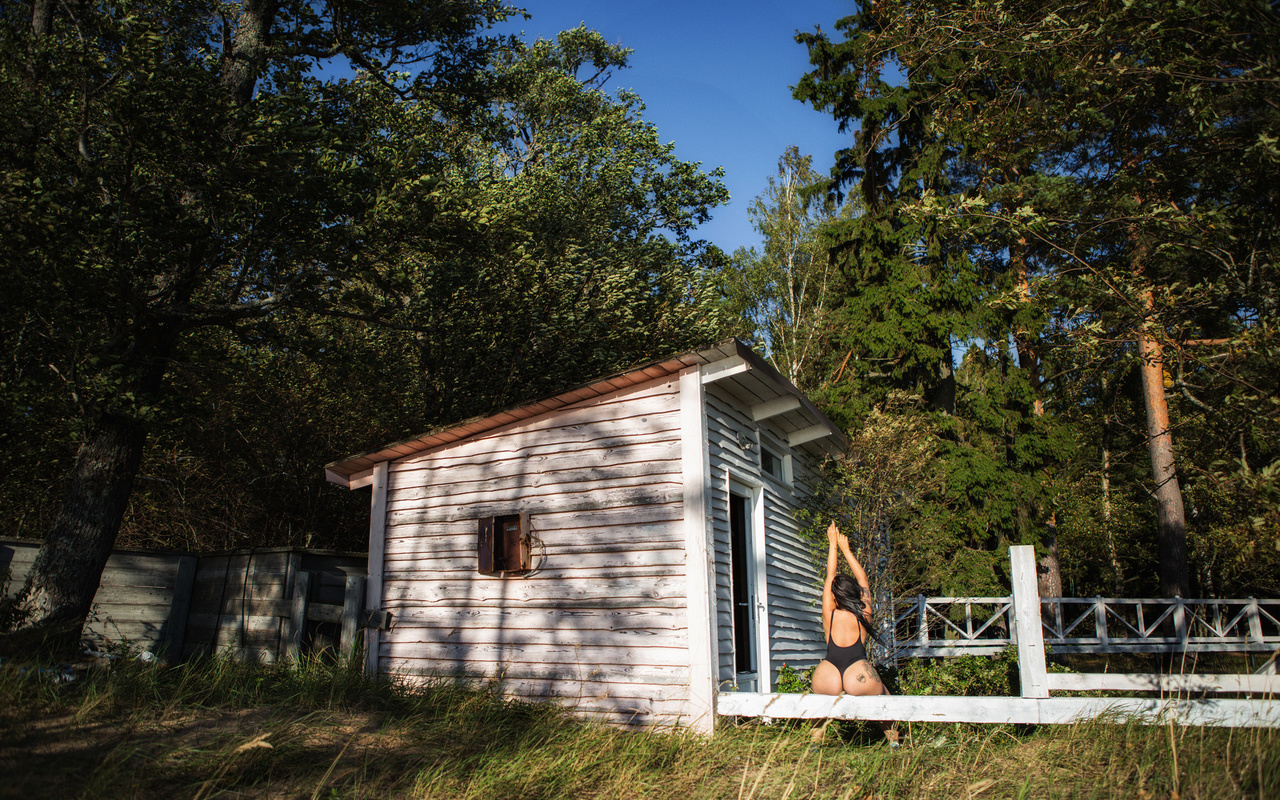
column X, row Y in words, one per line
column 828, row 599
column 859, row 574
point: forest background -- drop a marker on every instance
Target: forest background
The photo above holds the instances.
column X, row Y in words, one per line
column 1039, row 289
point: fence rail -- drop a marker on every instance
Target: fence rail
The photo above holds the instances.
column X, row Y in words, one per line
column 949, row 626
column 933, row 626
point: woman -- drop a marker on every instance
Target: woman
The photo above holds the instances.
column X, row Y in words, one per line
column 846, row 621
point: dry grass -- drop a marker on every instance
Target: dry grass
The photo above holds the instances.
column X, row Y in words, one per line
column 224, row 730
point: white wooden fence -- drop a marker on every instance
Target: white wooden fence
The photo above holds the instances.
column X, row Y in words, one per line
column 950, row 626
column 1183, row 699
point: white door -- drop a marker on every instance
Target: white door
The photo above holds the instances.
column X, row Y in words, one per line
column 750, row 629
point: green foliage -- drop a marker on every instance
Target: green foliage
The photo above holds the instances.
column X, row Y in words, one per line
column 961, row 676
column 272, row 270
column 791, row 681
column 1048, row 191
column 783, row 293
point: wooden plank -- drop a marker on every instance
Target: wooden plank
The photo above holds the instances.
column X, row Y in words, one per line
column 120, row 595
column 1195, row 684
column 725, row 368
column 627, row 618
column 229, row 620
column 772, row 408
column 636, row 432
column 489, row 655
column 568, row 565
column 809, row 434
column 373, row 599
column 450, row 552
column 1026, row 611
column 650, row 523
column 146, row 563
column 462, row 486
column 521, row 491
column 297, row 616
column 495, row 589
column 180, row 606
column 699, row 585
column 352, row 606
column 1015, row 710
column 569, row 673
column 545, row 503
column 502, row 635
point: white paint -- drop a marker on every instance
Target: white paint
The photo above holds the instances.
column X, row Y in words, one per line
column 377, row 547
column 698, row 593
column 772, row 408
column 1058, row 710
column 809, row 434
column 1192, row 684
column 1026, row 612
column 734, row 365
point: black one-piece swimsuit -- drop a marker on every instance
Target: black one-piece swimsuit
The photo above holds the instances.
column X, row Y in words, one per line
column 844, row 657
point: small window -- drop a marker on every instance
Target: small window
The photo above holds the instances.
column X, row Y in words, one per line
column 502, row 544
column 771, row 464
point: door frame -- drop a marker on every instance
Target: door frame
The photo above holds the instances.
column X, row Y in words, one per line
column 757, row 574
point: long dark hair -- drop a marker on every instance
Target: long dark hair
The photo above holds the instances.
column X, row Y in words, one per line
column 848, row 595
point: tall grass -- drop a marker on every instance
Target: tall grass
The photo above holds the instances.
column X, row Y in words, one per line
column 221, row 728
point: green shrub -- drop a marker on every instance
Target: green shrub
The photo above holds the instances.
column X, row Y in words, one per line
column 791, row 681
column 966, row 676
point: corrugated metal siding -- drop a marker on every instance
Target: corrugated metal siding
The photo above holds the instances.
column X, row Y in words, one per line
column 601, row 623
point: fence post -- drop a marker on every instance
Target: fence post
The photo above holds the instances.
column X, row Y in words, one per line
column 1100, row 620
column 298, row 615
column 1255, row 620
column 922, row 632
column 352, row 608
column 180, row 607
column 1180, row 620
column 1026, row 613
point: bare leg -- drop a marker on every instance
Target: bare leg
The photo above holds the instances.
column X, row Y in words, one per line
column 826, row 680
column 862, row 679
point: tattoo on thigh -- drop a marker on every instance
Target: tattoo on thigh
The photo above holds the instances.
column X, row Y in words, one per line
column 862, row 678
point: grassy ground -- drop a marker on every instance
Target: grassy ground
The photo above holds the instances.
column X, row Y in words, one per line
column 221, row 729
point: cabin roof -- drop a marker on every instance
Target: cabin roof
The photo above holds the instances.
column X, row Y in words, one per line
column 744, row 374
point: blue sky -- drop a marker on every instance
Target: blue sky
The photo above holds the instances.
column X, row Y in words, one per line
column 715, row 78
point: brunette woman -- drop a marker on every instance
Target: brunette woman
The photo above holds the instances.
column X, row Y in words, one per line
column 846, row 622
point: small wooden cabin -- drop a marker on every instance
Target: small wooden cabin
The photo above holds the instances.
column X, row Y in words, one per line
column 628, row 547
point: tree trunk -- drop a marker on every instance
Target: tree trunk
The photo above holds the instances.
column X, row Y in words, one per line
column 1117, row 574
column 1170, row 515
column 68, row 568
column 41, row 17
column 1049, row 567
column 250, row 46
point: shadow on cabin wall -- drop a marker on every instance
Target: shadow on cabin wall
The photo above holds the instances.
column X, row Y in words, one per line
column 598, row 624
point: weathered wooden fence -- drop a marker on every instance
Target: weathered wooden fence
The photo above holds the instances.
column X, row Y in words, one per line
column 1019, row 620
column 264, row 603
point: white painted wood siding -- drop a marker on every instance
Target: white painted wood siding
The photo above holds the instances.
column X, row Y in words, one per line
column 794, row 597
column 601, row 623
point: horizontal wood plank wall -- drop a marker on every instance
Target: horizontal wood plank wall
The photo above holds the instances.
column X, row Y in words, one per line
column 795, row 589
column 132, row 602
column 795, row 625
column 238, row 601
column 600, row 624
